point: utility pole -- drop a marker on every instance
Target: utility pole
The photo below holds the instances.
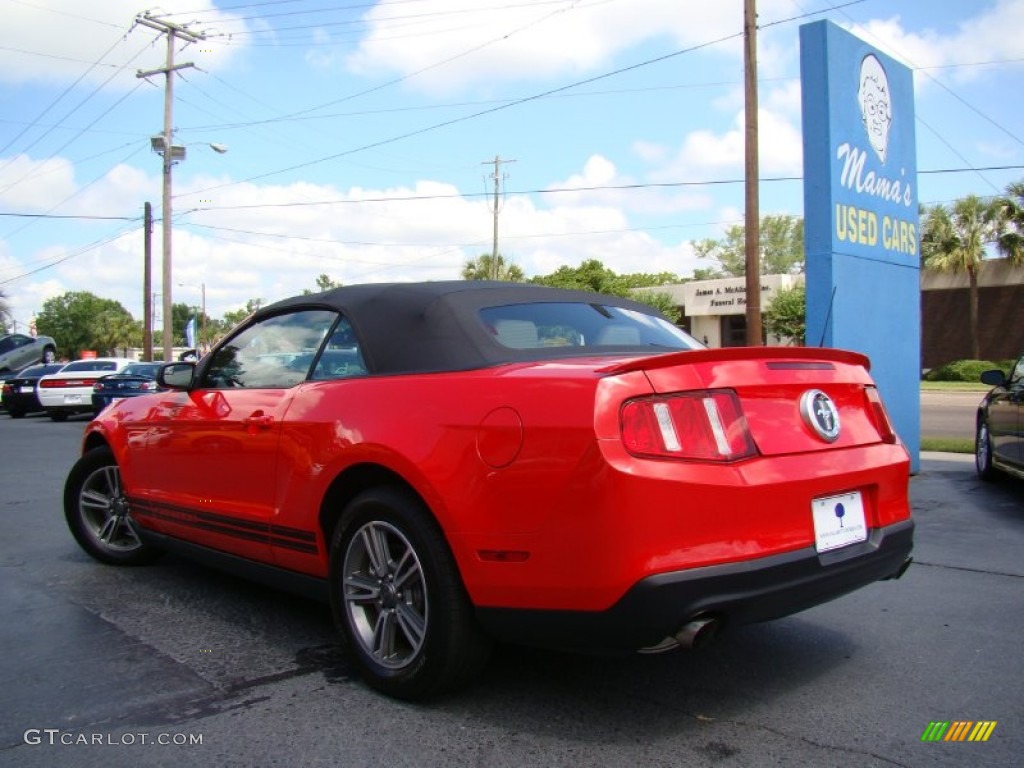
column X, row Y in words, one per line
column 753, row 212
column 147, row 287
column 496, row 209
column 166, row 147
column 202, row 324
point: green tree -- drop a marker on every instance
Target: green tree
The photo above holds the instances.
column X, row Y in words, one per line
column 954, row 239
column 114, row 332
column 68, row 318
column 324, row 282
column 231, row 319
column 706, row 273
column 782, row 248
column 786, row 315
column 591, row 275
column 661, row 301
column 1008, row 212
column 486, row 267
column 594, row 276
column 180, row 315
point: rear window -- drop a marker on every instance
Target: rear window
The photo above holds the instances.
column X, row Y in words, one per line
column 590, row 326
column 40, row 370
column 142, row 369
column 90, row 365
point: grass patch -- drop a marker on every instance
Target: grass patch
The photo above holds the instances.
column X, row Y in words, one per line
column 948, row 444
column 954, row 386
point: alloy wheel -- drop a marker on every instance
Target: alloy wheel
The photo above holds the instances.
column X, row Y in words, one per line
column 105, row 511
column 385, row 595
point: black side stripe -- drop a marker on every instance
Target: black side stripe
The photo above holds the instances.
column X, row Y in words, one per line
column 276, row 535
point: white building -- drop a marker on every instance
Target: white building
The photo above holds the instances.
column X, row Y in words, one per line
column 715, row 310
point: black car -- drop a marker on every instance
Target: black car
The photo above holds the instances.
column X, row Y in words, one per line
column 999, row 440
column 20, row 396
column 136, row 379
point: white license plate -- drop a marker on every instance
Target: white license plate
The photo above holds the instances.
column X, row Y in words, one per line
column 838, row 521
column 73, row 399
column 27, row 390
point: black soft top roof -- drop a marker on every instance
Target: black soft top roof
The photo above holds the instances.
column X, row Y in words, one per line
column 435, row 326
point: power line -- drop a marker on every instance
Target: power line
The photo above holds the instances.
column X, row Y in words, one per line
column 470, row 195
column 474, row 115
column 56, row 101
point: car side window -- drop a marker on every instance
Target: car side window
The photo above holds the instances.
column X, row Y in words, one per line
column 275, row 353
column 341, row 357
column 1017, row 374
column 538, row 325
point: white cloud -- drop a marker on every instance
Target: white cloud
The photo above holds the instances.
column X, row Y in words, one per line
column 269, row 242
column 706, row 155
column 981, row 38
column 601, row 184
column 62, row 40
column 522, row 42
column 35, row 186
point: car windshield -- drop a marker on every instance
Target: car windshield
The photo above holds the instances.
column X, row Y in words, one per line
column 565, row 324
column 7, row 343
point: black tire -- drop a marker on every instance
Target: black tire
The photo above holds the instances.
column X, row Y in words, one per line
column 398, row 598
column 57, row 415
column 16, row 413
column 983, row 452
column 49, row 356
column 98, row 515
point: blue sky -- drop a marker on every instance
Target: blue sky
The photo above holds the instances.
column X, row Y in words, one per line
column 359, row 133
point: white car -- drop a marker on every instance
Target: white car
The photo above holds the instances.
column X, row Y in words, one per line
column 70, row 390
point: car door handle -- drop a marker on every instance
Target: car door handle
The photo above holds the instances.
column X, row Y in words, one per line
column 258, row 420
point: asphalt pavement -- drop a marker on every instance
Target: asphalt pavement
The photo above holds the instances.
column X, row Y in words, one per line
column 175, row 664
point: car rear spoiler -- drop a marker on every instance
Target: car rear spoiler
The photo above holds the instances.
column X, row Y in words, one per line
column 803, row 356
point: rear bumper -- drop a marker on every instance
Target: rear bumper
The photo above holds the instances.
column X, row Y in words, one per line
column 736, row 593
column 22, row 403
column 54, row 401
column 69, row 410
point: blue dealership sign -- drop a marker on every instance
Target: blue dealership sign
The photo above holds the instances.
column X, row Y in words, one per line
column 861, row 213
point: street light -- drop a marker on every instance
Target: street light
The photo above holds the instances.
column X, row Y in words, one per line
column 176, row 153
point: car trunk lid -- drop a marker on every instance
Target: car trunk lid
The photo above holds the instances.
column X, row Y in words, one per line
column 793, row 400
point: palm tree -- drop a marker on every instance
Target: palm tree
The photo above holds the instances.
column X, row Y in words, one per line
column 1009, row 213
column 114, row 331
column 486, row 267
column 954, row 240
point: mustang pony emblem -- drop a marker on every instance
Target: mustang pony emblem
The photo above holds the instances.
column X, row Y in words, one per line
column 820, row 414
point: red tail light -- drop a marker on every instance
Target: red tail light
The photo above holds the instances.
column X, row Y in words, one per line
column 880, row 416
column 63, row 383
column 700, row 426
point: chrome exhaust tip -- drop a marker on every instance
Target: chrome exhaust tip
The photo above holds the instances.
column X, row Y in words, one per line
column 695, row 634
column 698, row 633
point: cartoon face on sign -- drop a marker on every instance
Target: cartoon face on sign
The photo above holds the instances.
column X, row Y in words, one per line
column 875, row 104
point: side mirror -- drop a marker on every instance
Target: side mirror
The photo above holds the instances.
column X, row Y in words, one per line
column 176, row 375
column 994, row 378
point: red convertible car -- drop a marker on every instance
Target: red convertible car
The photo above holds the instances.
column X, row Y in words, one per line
column 457, row 462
